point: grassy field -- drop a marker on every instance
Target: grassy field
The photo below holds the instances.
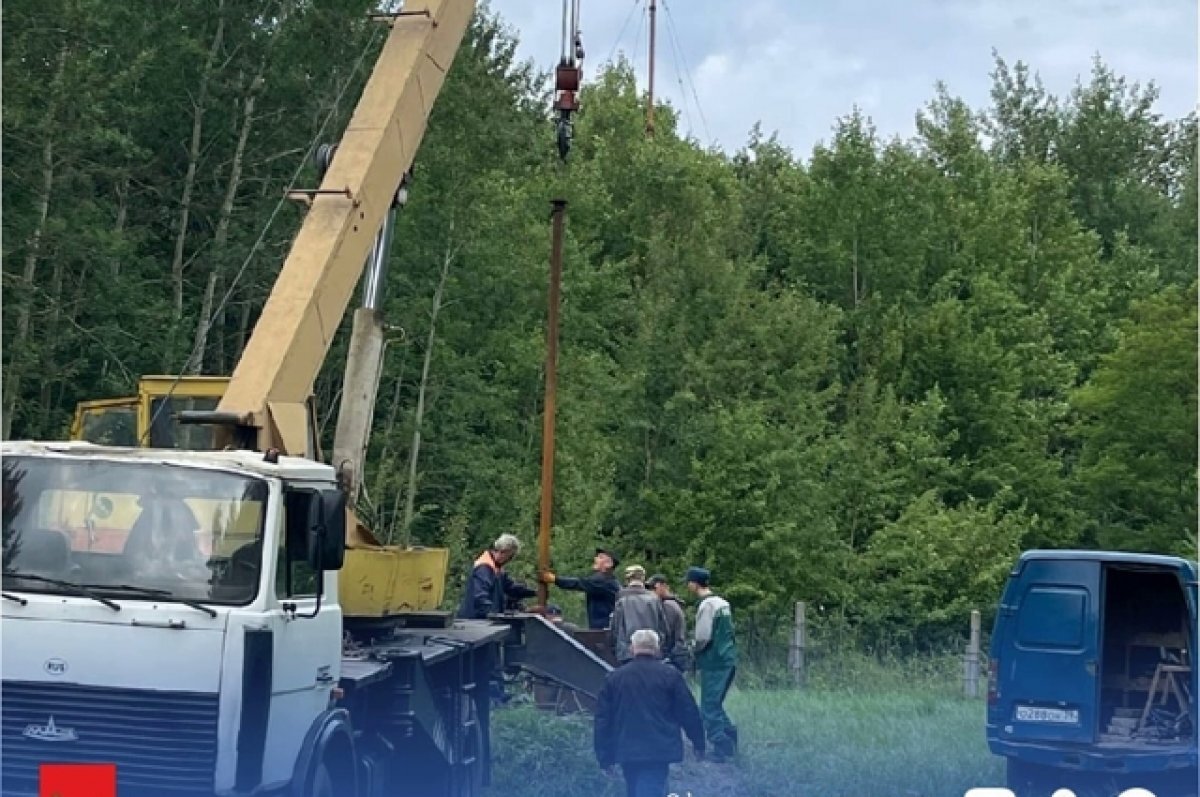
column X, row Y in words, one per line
column 905, row 735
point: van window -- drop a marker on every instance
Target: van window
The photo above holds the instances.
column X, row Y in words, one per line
column 1052, row 617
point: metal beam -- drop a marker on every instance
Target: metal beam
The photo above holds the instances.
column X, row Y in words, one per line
column 301, row 316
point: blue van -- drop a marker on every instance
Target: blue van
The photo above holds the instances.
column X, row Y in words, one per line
column 1092, row 683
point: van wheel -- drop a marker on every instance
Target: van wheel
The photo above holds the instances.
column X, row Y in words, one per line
column 1022, row 778
column 322, row 783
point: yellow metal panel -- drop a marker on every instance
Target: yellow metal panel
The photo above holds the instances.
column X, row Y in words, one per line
column 376, row 582
column 85, row 408
column 291, row 423
column 197, row 386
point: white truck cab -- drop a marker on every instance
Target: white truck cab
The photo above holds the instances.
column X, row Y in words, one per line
column 173, row 612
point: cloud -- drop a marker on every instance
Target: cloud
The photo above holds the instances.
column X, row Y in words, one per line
column 796, row 67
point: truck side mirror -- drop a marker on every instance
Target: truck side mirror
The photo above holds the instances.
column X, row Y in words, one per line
column 317, row 527
column 327, row 530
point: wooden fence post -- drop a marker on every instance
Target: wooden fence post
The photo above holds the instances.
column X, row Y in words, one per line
column 971, row 660
column 796, row 649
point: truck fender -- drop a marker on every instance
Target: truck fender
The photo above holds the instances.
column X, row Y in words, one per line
column 329, row 731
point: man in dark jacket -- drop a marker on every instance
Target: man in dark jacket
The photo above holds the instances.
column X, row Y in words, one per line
column 675, row 646
column 600, row 586
column 640, row 712
column 488, row 586
column 637, row 608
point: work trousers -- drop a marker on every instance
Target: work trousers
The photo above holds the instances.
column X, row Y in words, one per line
column 714, row 686
column 646, row 779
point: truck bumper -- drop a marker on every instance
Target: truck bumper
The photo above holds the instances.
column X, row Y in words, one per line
column 1097, row 760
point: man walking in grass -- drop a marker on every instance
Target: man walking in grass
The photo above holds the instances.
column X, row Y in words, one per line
column 716, row 656
column 642, row 712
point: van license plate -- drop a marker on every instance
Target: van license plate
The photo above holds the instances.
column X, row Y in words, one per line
column 1033, row 714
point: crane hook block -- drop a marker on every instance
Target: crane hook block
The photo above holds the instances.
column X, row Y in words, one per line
column 567, row 78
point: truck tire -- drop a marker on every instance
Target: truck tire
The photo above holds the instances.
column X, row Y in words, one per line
column 322, row 782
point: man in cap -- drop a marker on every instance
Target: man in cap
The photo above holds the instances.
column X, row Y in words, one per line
column 675, row 645
column 600, row 586
column 640, row 711
column 716, row 660
column 637, row 608
column 488, row 586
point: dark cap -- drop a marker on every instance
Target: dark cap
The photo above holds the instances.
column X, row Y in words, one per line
column 655, row 580
column 553, row 609
column 610, row 555
column 698, row 575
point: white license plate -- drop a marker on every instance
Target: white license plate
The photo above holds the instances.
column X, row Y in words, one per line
column 1035, row 714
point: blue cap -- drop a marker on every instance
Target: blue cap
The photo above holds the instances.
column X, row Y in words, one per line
column 699, row 575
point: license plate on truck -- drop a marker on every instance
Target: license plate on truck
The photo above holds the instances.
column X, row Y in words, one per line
column 1039, row 714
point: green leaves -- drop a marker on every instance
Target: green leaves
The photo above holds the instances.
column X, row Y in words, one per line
column 864, row 377
column 1138, row 464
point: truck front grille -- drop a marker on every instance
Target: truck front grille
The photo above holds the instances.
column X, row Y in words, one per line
column 163, row 743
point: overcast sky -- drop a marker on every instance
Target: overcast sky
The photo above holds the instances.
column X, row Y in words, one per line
column 797, row 65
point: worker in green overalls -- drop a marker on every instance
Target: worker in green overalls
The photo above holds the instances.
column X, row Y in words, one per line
column 715, row 651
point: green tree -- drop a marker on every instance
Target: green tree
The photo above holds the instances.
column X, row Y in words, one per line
column 1137, row 470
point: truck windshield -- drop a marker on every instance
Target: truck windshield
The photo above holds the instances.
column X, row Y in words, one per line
column 131, row 530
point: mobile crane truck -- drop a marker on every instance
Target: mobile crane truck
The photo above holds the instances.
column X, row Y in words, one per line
column 206, row 612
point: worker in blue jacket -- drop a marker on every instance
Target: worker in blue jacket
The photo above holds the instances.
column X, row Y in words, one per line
column 600, row 586
column 488, row 586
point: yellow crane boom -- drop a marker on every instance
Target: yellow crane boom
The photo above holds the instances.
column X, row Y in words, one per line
column 269, row 390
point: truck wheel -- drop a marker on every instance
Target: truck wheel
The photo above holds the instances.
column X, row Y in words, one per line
column 322, row 783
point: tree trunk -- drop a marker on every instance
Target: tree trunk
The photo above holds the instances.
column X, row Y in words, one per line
column 410, row 498
column 195, row 363
column 189, row 180
column 243, row 330
column 216, row 278
column 52, row 337
column 12, row 385
column 854, row 284
column 122, row 219
column 388, row 430
column 17, row 359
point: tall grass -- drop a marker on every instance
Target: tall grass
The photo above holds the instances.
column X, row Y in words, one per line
column 861, row 727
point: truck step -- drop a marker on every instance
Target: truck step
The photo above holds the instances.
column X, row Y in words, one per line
column 1123, row 722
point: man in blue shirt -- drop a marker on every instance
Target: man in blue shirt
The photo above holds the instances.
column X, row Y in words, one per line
column 600, row 586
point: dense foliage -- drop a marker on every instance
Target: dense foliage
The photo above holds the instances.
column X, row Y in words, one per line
column 866, row 378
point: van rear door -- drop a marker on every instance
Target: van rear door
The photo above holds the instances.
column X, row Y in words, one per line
column 1047, row 668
